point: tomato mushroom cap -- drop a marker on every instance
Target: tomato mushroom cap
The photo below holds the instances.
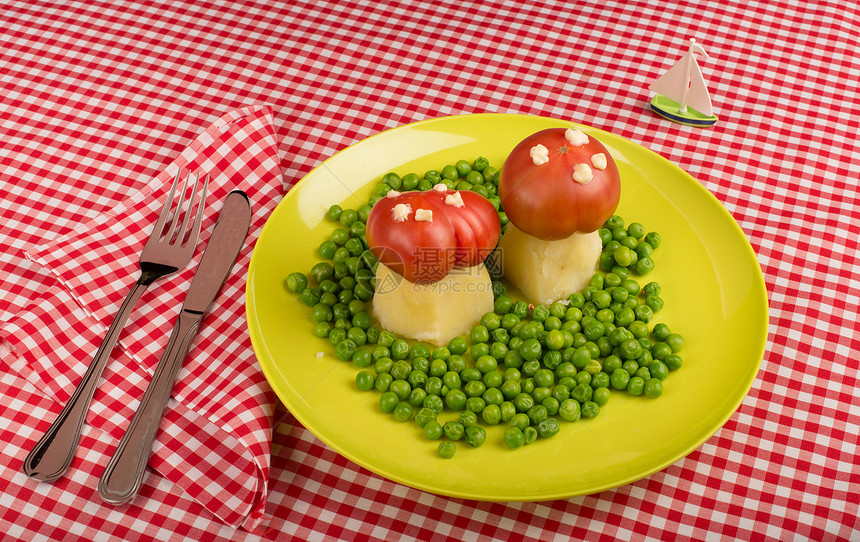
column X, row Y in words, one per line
column 553, row 185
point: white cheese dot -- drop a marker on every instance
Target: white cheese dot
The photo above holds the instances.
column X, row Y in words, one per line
column 599, row 161
column 401, row 212
column 454, row 199
column 539, row 154
column 440, row 187
column 423, row 215
column 582, row 173
column 575, row 137
column 392, row 194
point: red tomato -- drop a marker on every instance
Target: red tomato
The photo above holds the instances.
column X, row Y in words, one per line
column 476, row 226
column 546, row 201
column 422, row 251
column 419, row 251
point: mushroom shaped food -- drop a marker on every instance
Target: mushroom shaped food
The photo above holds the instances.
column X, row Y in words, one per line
column 557, row 186
column 431, row 282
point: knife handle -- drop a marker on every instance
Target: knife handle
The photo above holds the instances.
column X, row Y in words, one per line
column 123, row 475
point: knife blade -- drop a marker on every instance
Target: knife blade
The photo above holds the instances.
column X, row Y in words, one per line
column 123, row 475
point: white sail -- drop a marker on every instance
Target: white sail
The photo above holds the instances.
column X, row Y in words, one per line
column 698, row 97
column 685, row 84
column 673, row 84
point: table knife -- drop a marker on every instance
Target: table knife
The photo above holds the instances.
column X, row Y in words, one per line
column 123, row 475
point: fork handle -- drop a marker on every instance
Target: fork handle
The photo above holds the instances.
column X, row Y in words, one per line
column 123, row 475
column 53, row 454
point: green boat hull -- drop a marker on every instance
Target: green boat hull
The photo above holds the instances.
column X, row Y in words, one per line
column 669, row 109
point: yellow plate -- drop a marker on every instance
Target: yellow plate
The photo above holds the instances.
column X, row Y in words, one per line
column 713, row 290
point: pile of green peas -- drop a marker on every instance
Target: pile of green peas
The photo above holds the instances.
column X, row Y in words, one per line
column 521, row 365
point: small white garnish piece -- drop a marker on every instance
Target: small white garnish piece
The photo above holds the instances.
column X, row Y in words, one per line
column 575, row 137
column 440, row 187
column 401, row 212
column 539, row 154
column 320, row 354
column 454, row 199
column 423, row 215
column 582, row 173
column 599, row 161
column 392, row 194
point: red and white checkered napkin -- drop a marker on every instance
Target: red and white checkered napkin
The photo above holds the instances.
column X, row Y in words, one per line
column 215, row 438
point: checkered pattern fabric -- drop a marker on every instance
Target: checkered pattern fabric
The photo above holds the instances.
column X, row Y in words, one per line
column 100, row 98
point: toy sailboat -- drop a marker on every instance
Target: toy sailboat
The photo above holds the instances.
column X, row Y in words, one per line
column 681, row 92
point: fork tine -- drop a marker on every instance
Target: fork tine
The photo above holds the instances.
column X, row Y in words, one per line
column 195, row 229
column 165, row 211
column 183, row 229
column 169, row 237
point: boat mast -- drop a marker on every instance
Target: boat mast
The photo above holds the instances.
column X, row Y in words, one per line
column 688, row 69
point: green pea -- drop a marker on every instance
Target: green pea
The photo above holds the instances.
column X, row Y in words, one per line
column 569, row 410
column 347, row 217
column 548, row 428
column 476, row 404
column 424, row 416
column 310, row 296
column 409, row 182
column 425, row 184
column 403, row 411
column 388, row 402
column 463, row 167
column 456, row 399
column 523, row 402
column 491, row 321
column 531, row 349
column 450, row 173
column 453, row 430
column 479, row 334
column 446, row 449
column 673, row 362
column 530, row 434
column 364, row 380
column 339, row 236
column 491, row 414
column 653, row 238
column 654, row 388
column 321, row 313
column 520, row 309
column 502, row 305
column 458, row 346
column 467, row 418
column 433, row 430
column 322, row 329
column 675, row 342
column 590, row 409
column 636, row 386
column 456, row 362
column 334, row 212
column 392, row 179
column 644, row 265
column 399, row 349
column 345, row 349
column 475, row 435
column 619, row 379
column 357, row 336
column 514, row 438
column 297, row 282
column 434, row 403
column 636, row 230
column 362, row 357
column 623, row 256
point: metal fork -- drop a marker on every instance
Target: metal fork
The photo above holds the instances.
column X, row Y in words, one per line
column 168, row 249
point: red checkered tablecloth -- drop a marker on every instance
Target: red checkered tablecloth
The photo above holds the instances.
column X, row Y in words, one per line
column 99, row 99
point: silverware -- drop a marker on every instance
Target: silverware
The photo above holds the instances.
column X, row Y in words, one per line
column 121, row 479
column 168, row 249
